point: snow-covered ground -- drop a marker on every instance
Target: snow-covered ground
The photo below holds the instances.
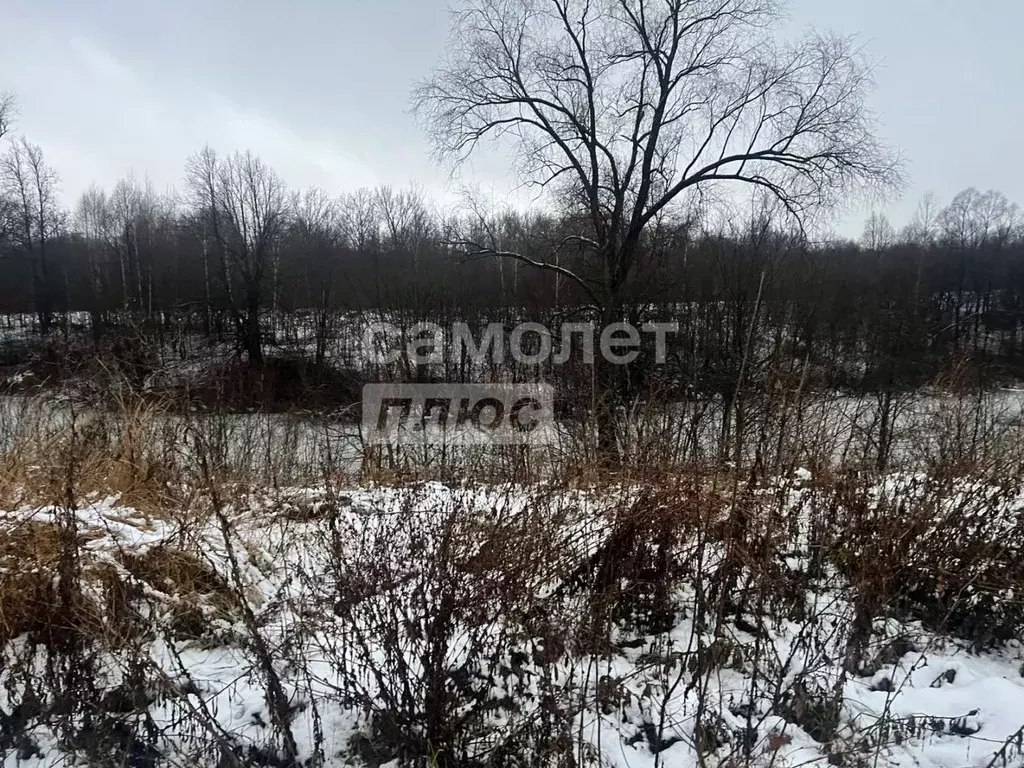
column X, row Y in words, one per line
column 366, row 604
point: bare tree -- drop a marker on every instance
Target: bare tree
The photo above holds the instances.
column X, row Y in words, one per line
column 244, row 207
column 924, row 226
column 8, row 108
column 975, row 227
column 878, row 233
column 406, row 217
column 201, row 180
column 360, row 219
column 31, row 185
column 8, row 208
column 93, row 222
column 316, row 234
column 407, row 232
column 624, row 108
column 9, row 223
column 360, row 222
column 128, row 213
column 628, row 104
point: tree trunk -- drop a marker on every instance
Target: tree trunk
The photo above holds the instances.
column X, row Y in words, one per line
column 607, row 397
column 253, row 342
column 44, row 309
column 253, row 338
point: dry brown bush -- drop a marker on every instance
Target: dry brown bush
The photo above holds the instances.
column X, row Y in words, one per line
column 129, row 452
column 30, row 555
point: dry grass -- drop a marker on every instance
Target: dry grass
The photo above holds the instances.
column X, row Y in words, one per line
column 29, row 557
column 61, row 456
column 108, row 592
column 714, row 546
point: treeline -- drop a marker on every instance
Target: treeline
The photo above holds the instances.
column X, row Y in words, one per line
column 235, row 247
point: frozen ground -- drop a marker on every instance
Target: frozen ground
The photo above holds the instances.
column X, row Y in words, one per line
column 342, row 595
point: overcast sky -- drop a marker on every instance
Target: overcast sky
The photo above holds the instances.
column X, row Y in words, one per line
column 320, row 88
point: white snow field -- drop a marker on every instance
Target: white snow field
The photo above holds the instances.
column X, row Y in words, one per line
column 317, row 624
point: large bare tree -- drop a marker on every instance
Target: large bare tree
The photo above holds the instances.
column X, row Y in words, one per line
column 625, row 110
column 623, row 107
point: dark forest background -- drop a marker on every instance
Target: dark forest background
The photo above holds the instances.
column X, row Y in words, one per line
column 236, row 254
